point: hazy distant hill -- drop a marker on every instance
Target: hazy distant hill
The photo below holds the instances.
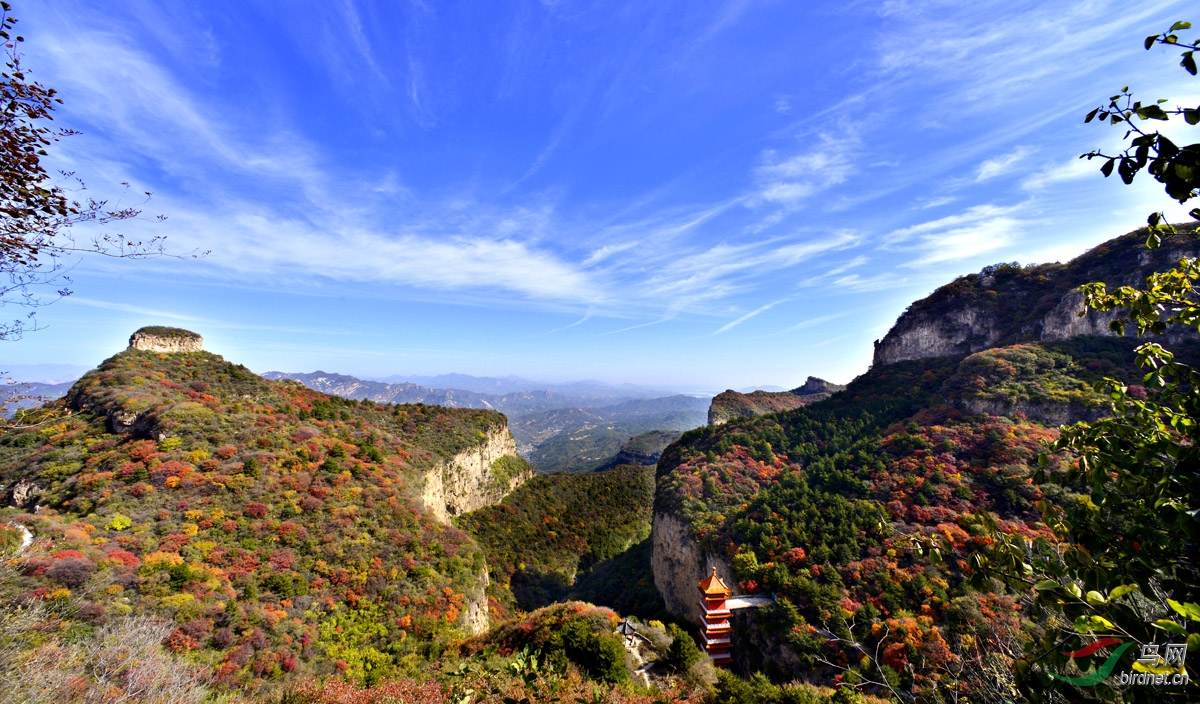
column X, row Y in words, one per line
column 31, row 394
column 511, row 402
column 512, row 384
column 644, row 449
column 584, row 439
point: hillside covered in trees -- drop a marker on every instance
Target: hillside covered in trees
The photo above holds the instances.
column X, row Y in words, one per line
column 556, row 527
column 833, row 507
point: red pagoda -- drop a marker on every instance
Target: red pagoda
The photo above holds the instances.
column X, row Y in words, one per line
column 715, row 618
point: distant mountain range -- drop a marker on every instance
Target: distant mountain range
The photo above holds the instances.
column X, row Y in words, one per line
column 508, row 399
column 42, row 373
column 30, row 394
column 513, row 384
column 555, row 430
column 584, row 439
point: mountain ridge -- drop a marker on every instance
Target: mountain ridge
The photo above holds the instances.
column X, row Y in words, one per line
column 1006, row 304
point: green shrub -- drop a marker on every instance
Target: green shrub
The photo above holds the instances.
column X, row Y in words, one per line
column 600, row 654
column 683, row 651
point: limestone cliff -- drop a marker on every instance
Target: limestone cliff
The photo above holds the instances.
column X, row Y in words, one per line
column 156, row 338
column 475, row 477
column 475, row 612
column 1006, row 303
column 679, row 563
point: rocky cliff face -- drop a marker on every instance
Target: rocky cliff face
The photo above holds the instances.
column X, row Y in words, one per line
column 472, row 479
column 679, row 563
column 1006, row 304
column 164, row 339
column 1048, row 414
column 476, row 477
column 475, row 613
column 920, row 334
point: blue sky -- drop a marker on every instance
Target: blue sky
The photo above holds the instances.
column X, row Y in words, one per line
column 694, row 195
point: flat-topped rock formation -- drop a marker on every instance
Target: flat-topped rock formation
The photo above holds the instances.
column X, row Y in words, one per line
column 157, row 338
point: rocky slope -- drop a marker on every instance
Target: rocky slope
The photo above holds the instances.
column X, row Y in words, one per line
column 1006, row 304
column 679, row 563
column 732, row 404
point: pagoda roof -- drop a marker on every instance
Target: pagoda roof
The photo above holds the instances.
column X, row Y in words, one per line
column 714, row 585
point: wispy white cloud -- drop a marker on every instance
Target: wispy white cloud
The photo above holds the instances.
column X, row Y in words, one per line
column 714, row 272
column 607, row 251
column 358, row 38
column 754, row 313
column 1000, row 165
column 856, row 283
column 843, row 268
column 1022, row 46
column 980, row 229
column 1072, row 170
column 154, row 117
column 939, row 201
column 790, row 180
column 729, row 14
column 445, row 260
column 812, row 322
column 586, row 317
column 155, row 313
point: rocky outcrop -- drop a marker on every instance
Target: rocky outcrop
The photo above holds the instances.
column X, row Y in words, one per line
column 1006, row 304
column 731, row 404
column 163, row 339
column 23, row 494
column 813, row 386
column 129, row 422
column 1065, row 322
column 477, row 477
column 1048, row 414
column 679, row 563
column 923, row 334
